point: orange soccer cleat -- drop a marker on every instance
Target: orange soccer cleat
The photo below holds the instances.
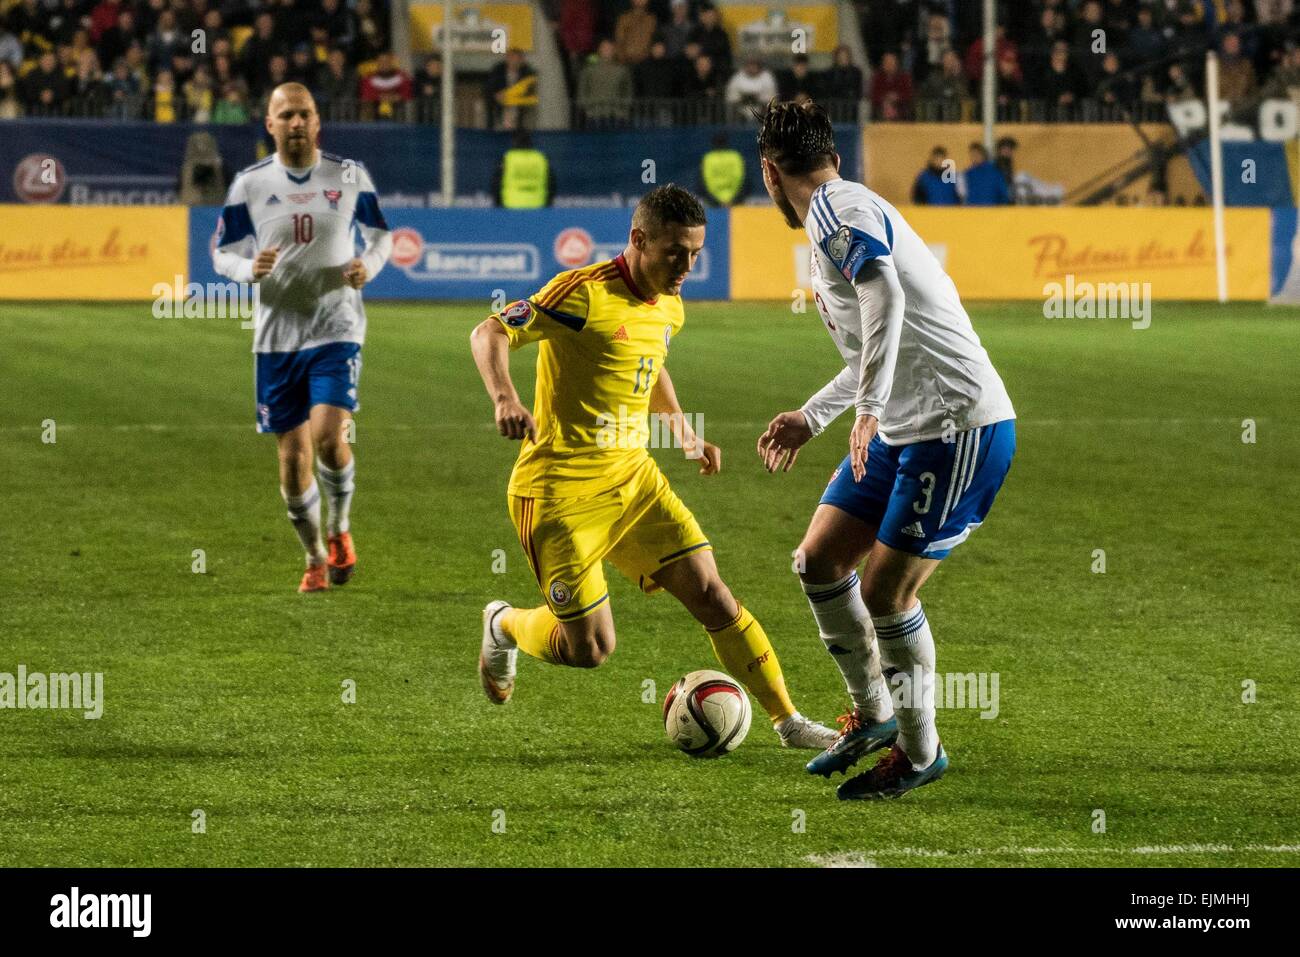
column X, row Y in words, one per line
column 343, row 558
column 313, row 579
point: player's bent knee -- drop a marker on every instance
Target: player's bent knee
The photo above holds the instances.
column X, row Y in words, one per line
column 819, row 564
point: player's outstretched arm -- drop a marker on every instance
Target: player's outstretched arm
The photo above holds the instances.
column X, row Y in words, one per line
column 788, row 432
column 491, row 348
column 663, row 402
column 880, row 304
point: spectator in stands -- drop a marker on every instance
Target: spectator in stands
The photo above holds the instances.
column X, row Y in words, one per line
column 117, row 37
column 1037, row 49
column 1236, row 73
column 11, row 106
column 1002, row 46
column 843, row 81
column 89, row 79
column 45, row 88
column 936, row 185
column 1061, row 86
column 255, row 56
column 1114, row 89
column 799, row 82
column 302, row 65
column 576, row 28
column 751, row 88
column 676, row 33
column 605, row 86
column 1145, row 43
column 370, row 39
column 385, row 90
column 336, row 85
column 199, row 96
column 214, row 29
column 337, row 22
column 891, row 90
column 982, row 183
column 293, row 23
column 704, row 81
column 165, row 39
column 658, row 78
column 1087, row 31
column 11, row 49
column 1011, row 86
column 938, row 41
column 103, row 15
column 1285, row 81
column 164, row 97
column 508, row 82
column 231, row 108
column 634, row 32
column 1177, row 86
column 428, row 87
column 1005, row 149
column 122, row 90
column 944, row 91
column 712, row 38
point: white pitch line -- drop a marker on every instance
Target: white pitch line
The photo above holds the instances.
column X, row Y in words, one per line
column 858, row 859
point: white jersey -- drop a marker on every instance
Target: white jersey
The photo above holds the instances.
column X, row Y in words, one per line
column 309, row 214
column 932, row 375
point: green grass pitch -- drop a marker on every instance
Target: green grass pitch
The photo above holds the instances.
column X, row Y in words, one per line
column 1120, row 693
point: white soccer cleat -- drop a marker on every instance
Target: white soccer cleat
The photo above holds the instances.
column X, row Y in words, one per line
column 797, row 731
column 498, row 656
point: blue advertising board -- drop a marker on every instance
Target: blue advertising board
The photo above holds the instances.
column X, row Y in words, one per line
column 494, row 253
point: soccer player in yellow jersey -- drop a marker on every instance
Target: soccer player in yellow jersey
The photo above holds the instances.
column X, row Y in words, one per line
column 585, row 490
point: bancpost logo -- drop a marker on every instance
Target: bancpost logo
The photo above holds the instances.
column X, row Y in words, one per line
column 573, row 247
column 39, row 178
column 424, row 261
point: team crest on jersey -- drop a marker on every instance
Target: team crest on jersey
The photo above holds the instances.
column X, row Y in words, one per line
column 837, row 247
column 518, row 313
column 301, row 198
column 333, row 195
column 560, row 593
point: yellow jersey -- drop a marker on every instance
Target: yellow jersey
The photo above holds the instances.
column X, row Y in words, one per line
column 601, row 346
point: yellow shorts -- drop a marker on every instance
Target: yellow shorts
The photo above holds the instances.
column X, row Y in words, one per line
column 640, row 526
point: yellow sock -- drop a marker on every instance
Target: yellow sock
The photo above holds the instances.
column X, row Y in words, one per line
column 537, row 632
column 744, row 650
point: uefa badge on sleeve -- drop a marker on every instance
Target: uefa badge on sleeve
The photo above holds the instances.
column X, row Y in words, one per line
column 838, row 245
column 518, row 313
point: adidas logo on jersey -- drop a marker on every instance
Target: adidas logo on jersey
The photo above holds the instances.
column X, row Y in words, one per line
column 915, row 530
column 273, row 201
column 621, row 335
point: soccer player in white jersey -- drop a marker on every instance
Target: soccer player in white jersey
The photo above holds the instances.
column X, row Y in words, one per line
column 288, row 225
column 930, row 447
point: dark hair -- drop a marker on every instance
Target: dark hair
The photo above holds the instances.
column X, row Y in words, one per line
column 665, row 205
column 797, row 137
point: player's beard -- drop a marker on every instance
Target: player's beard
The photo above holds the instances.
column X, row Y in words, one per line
column 786, row 207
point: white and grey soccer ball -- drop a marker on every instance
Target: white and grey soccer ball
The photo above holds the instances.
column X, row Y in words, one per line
column 706, row 714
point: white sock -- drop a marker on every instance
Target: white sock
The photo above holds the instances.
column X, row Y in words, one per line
column 846, row 631
column 907, row 649
column 304, row 512
column 338, row 486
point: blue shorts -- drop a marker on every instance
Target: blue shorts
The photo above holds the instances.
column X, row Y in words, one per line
column 288, row 384
column 925, row 498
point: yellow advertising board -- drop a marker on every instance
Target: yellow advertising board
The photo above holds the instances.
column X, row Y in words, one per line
column 781, row 30
column 1015, row 252
column 476, row 28
column 91, row 252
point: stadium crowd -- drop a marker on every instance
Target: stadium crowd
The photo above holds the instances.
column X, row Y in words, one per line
column 646, row 61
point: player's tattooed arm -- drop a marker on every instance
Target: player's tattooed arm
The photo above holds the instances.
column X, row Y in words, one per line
column 663, row 402
column 491, row 348
column 880, row 304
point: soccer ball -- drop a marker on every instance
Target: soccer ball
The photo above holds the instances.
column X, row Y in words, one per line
column 706, row 714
